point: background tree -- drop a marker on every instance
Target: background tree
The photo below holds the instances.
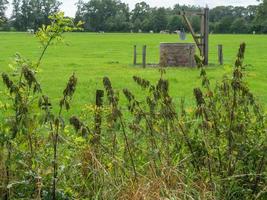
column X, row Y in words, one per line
column 3, row 7
column 79, row 12
column 25, row 15
column 115, row 16
column 140, row 17
column 159, row 19
column 104, row 15
column 239, row 25
column 31, row 14
column 261, row 17
column 16, row 19
column 175, row 23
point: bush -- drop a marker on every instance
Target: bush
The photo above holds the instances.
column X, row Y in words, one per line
column 152, row 150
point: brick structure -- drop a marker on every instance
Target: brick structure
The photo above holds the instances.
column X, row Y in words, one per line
column 177, row 54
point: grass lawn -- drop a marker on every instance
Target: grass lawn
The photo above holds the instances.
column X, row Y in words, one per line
column 93, row 56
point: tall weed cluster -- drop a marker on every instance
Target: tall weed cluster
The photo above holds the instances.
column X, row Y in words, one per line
column 151, row 150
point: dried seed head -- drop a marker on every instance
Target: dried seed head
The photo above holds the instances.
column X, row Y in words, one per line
column 141, row 82
column 84, row 131
column 110, row 91
column 68, row 92
column 31, row 80
column 79, row 126
column 241, row 52
column 128, row 95
column 7, row 81
column 240, row 55
column 71, row 86
column 199, row 96
column 76, row 123
column 44, row 103
column 163, row 87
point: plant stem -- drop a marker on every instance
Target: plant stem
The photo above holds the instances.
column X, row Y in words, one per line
column 128, row 147
column 44, row 50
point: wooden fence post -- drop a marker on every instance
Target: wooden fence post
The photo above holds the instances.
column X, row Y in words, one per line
column 144, row 56
column 135, row 55
column 206, row 36
column 220, row 54
column 98, row 120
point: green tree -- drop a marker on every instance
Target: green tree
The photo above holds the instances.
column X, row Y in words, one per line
column 260, row 21
column 3, row 7
column 224, row 25
column 218, row 13
column 175, row 23
column 239, row 25
column 25, row 15
column 104, row 15
column 141, row 17
column 16, row 20
column 79, row 12
column 159, row 19
column 31, row 14
column 195, row 21
column 49, row 7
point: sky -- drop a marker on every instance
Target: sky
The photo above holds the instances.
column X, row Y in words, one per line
column 69, row 7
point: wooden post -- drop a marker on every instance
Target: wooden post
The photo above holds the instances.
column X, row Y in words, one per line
column 202, row 41
column 135, row 55
column 144, row 56
column 98, row 120
column 206, row 37
column 220, row 54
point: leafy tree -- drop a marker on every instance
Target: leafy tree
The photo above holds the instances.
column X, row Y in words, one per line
column 224, row 25
column 140, row 17
column 219, row 12
column 261, row 16
column 78, row 14
column 141, row 12
column 175, row 23
column 16, row 19
column 104, row 15
column 195, row 20
column 159, row 19
column 147, row 25
column 33, row 13
column 113, row 15
column 239, row 25
column 25, row 15
column 3, row 7
column 50, row 7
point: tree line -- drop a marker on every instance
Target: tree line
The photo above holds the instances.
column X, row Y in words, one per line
column 116, row 16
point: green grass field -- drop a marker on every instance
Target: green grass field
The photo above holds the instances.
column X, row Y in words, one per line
column 93, row 56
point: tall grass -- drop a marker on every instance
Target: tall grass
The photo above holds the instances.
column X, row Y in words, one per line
column 154, row 149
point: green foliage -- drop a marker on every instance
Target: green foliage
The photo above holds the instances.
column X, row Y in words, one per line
column 115, row 16
column 22, row 123
column 59, row 25
column 31, row 14
column 151, row 150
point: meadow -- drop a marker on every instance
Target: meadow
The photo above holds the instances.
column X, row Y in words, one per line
column 93, row 56
column 173, row 135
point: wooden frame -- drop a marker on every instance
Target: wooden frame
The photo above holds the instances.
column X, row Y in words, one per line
column 202, row 40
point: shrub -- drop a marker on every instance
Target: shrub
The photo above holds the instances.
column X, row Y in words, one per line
column 152, row 150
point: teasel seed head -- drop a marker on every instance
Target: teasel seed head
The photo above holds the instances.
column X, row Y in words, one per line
column 199, row 96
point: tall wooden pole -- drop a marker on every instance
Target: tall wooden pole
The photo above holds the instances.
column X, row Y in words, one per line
column 201, row 41
column 144, row 56
column 135, row 55
column 206, row 37
column 220, row 54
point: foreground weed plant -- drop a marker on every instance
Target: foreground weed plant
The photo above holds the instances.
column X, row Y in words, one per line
column 149, row 149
